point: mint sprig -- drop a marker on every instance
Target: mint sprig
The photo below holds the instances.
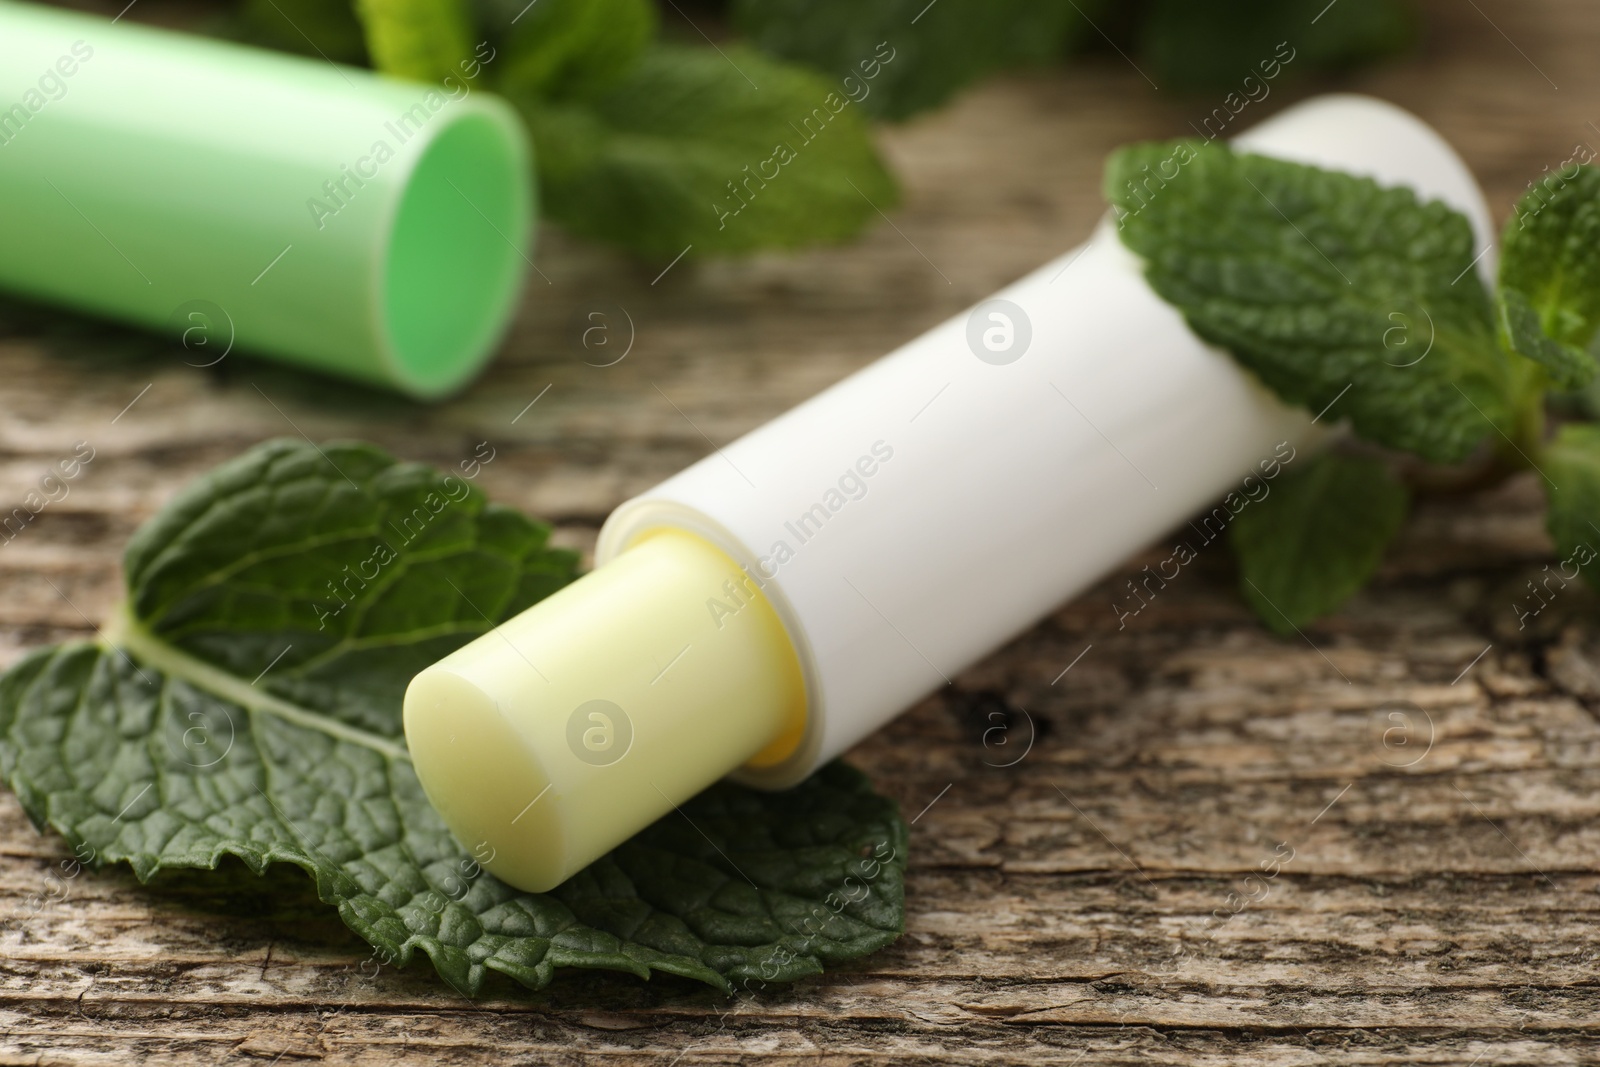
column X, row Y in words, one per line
column 1328, row 286
column 246, row 703
column 657, row 148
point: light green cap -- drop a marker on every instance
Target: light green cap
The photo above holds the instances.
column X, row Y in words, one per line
column 358, row 225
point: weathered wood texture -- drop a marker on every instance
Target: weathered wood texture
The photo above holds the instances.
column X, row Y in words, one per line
column 1440, row 905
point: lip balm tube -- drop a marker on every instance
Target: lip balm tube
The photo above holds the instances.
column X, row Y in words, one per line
column 762, row 611
column 357, row 225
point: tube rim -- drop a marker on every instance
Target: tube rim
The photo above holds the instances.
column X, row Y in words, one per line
column 638, row 519
column 455, row 373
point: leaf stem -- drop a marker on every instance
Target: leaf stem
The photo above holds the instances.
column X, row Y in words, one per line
column 126, row 633
column 1528, row 422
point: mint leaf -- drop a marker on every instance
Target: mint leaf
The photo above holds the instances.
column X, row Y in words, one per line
column 1316, row 538
column 366, row 570
column 898, row 57
column 573, row 48
column 1219, row 44
column 421, row 39
column 247, row 703
column 1571, row 463
column 687, row 150
column 1568, row 368
column 1318, row 281
column 1550, row 253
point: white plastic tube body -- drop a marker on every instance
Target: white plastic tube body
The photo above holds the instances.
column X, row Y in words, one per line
column 917, row 515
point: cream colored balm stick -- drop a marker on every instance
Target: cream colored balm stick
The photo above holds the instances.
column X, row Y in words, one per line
column 764, row 610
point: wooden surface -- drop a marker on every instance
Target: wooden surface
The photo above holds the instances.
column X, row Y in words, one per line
column 1440, row 905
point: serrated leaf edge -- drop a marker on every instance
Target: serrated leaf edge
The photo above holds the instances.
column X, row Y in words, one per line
column 125, row 636
column 332, row 884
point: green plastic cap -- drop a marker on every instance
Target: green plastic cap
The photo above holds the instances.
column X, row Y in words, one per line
column 354, row 224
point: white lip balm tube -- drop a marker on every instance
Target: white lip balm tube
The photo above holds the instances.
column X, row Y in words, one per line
column 765, row 609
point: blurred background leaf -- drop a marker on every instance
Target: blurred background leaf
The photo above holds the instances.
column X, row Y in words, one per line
column 421, row 39
column 686, row 150
column 568, row 48
column 656, row 146
column 306, row 27
column 1316, row 538
column 1195, row 45
column 939, row 47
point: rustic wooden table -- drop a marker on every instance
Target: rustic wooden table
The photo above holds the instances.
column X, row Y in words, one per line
column 1439, row 906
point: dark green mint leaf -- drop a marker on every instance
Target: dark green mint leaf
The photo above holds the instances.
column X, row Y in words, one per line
column 247, row 703
column 1568, row 368
column 1571, row 463
column 1218, row 44
column 898, row 57
column 573, row 48
column 1317, row 538
column 1318, row 281
column 726, row 151
column 1550, row 253
column 422, row 39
